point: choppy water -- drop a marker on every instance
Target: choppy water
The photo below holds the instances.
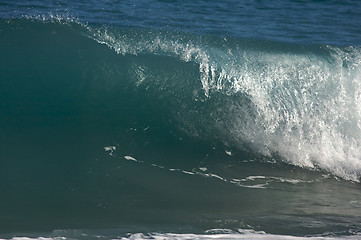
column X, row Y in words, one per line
column 176, row 120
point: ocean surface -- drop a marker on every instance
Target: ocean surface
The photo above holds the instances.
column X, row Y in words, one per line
column 166, row 119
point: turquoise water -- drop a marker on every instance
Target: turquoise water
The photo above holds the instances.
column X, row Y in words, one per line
column 150, row 120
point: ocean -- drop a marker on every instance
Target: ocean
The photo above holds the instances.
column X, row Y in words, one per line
column 167, row 119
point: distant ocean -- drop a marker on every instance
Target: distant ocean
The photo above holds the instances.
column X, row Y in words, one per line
column 166, row 119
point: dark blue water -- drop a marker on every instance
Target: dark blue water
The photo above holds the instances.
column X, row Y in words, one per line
column 305, row 22
column 180, row 120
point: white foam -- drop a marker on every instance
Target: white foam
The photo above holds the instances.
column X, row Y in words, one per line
column 110, row 149
column 255, row 177
column 243, row 234
column 130, row 158
column 305, row 107
column 224, row 234
column 157, row 166
column 258, row 186
column 229, row 153
column 187, row 172
column 38, row 238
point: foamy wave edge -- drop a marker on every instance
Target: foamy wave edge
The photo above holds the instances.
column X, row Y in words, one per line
column 224, row 234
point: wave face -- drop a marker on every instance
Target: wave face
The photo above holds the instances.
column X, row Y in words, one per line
column 113, row 123
column 301, row 103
